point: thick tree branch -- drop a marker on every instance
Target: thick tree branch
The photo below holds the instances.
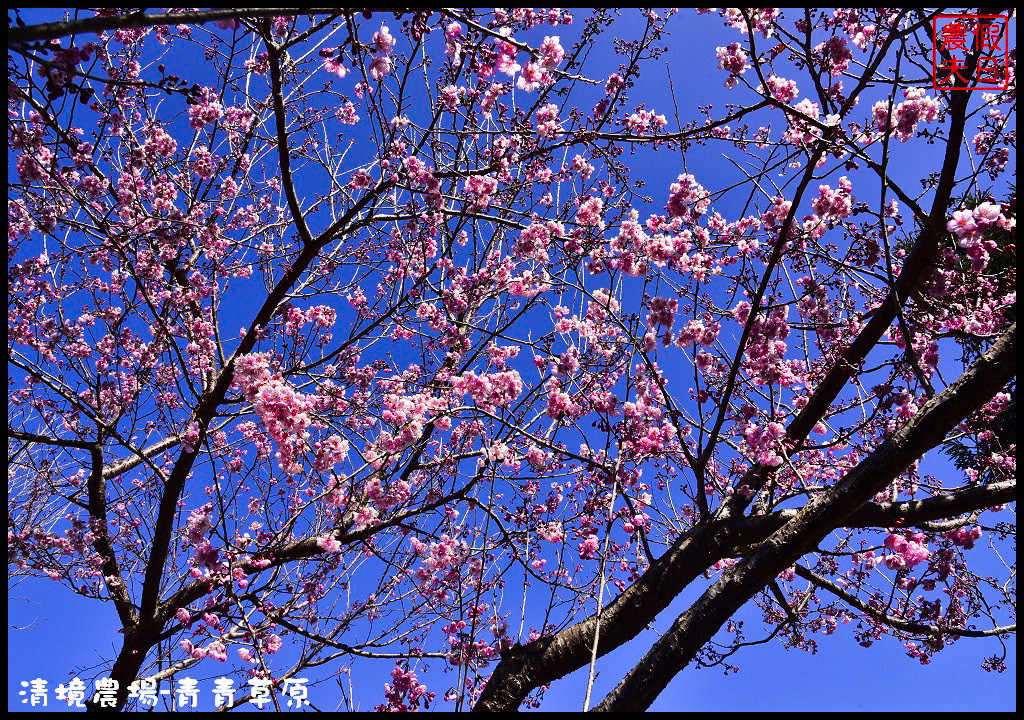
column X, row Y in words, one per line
column 123, row 466
column 49, row 31
column 526, row 667
column 899, row 624
column 695, row 627
column 283, row 152
column 126, row 610
column 912, row 513
column 918, row 262
column 45, row 440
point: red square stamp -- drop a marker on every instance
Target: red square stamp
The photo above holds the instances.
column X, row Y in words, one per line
column 970, row 52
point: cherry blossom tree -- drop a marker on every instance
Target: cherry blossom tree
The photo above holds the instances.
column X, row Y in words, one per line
column 342, row 338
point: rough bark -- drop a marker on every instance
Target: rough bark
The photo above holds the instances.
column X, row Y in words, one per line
column 525, row 667
column 691, row 630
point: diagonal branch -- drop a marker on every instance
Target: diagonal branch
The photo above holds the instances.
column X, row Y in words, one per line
column 911, row 513
column 53, row 30
column 695, row 627
column 904, row 625
column 917, row 263
column 525, row 667
column 44, row 440
column 283, row 155
column 123, row 466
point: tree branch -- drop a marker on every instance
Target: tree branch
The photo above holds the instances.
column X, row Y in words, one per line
column 912, row 627
column 691, row 630
column 50, row 31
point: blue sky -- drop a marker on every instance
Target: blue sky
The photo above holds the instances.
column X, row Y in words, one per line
column 51, row 632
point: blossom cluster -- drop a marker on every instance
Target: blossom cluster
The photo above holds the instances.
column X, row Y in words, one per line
column 642, row 122
column 689, row 199
column 780, row 88
column 405, row 692
column 970, row 227
column 833, row 205
column 733, row 59
column 383, row 45
column 441, row 565
column 906, row 550
column 285, row 413
column 917, row 107
column 536, row 74
column 489, row 391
